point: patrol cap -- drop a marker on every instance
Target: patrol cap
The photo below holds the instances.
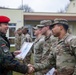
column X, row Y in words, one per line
column 24, row 27
column 38, row 26
column 61, row 21
column 4, row 19
column 35, row 28
column 46, row 22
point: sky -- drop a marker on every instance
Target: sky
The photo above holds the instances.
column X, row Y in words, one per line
column 37, row 5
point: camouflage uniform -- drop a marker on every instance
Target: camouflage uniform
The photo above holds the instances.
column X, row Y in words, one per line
column 38, row 49
column 7, row 62
column 63, row 56
column 65, row 53
column 46, row 51
column 17, row 42
column 49, row 42
column 26, row 38
column 38, row 52
column 18, row 36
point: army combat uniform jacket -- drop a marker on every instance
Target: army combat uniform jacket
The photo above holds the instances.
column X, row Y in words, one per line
column 7, row 62
column 64, row 55
column 26, row 38
column 38, row 49
column 49, row 41
column 38, row 43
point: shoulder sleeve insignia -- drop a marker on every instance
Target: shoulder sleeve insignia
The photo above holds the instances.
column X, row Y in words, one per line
column 5, row 48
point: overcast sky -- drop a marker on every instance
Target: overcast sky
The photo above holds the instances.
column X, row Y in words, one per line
column 37, row 5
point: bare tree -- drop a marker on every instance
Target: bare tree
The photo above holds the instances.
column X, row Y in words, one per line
column 64, row 10
column 25, row 8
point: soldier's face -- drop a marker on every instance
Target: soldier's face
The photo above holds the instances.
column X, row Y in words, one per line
column 36, row 32
column 44, row 29
column 4, row 27
column 20, row 32
column 24, row 31
column 56, row 30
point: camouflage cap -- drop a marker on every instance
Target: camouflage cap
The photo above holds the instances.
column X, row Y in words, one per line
column 46, row 22
column 24, row 27
column 35, row 28
column 38, row 26
column 60, row 21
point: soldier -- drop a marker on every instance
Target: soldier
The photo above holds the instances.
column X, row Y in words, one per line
column 26, row 38
column 64, row 54
column 7, row 61
column 65, row 50
column 38, row 45
column 18, row 36
column 47, row 32
column 49, row 42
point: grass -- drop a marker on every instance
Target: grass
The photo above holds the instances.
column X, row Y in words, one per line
column 16, row 73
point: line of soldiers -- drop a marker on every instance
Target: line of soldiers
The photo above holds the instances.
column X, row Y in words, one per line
column 54, row 47
column 44, row 40
column 44, row 43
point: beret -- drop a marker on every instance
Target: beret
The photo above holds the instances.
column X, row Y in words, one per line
column 4, row 19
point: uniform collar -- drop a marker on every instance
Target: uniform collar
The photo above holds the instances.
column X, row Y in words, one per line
column 2, row 34
column 66, row 35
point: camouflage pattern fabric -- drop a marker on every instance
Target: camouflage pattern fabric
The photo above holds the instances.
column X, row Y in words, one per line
column 17, row 42
column 45, row 67
column 64, row 56
column 38, row 45
column 7, row 61
column 26, row 38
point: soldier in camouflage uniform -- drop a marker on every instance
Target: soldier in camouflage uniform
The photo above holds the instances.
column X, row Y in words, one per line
column 26, row 38
column 65, row 50
column 38, row 46
column 18, row 36
column 7, row 61
column 64, row 54
column 49, row 42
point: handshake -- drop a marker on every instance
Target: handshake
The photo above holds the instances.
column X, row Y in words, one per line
column 31, row 68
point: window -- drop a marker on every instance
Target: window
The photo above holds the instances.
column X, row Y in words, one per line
column 11, row 35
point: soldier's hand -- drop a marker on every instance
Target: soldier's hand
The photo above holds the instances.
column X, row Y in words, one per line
column 30, row 65
column 30, row 69
column 17, row 52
